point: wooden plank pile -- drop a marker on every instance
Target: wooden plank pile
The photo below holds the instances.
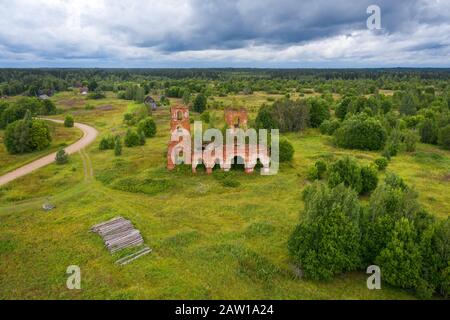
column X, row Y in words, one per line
column 119, row 234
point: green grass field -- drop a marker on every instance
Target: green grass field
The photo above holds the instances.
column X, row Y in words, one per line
column 209, row 241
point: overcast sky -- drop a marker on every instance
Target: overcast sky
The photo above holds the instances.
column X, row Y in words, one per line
column 223, row 33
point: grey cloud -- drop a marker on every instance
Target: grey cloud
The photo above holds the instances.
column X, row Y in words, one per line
column 246, row 31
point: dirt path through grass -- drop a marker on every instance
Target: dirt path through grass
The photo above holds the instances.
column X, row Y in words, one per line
column 87, row 165
column 89, row 135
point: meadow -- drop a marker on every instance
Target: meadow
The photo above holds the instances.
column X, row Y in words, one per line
column 209, row 240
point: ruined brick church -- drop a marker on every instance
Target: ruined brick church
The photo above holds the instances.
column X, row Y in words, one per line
column 246, row 154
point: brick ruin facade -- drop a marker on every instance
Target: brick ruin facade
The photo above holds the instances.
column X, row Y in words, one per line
column 239, row 153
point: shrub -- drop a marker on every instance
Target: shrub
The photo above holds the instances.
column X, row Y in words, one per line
column 205, row 117
column 327, row 241
column 96, row 95
column 128, row 118
column 410, row 139
column 286, row 151
column 395, row 181
column 200, row 103
column 319, row 111
column 412, row 121
column 347, row 171
column 285, row 114
column 401, row 260
column 264, row 119
column 48, row 108
column 408, row 105
column 141, row 138
column 27, row 135
column 10, row 114
column 361, row 133
column 435, row 265
column 313, row 174
column 136, row 114
column 61, row 157
column 381, row 163
column 342, row 108
column 444, row 137
column 321, row 168
column 133, row 139
column 118, row 146
column 391, row 150
column 329, row 127
column 107, row 143
column 428, row 131
column 147, row 127
column 369, row 177
column 388, row 203
column 68, row 122
column 394, row 142
column 40, row 135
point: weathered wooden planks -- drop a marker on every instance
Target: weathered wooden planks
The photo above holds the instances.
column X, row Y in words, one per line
column 119, row 234
column 134, row 256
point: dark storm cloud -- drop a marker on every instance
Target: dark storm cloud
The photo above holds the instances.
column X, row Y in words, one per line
column 233, row 24
column 244, row 31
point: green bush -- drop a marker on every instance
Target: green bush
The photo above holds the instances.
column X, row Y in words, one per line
column 96, row 95
column 286, row 151
column 410, row 139
column 107, row 143
column 428, row 130
column 205, row 117
column 62, row 157
column 27, row 135
column 321, row 168
column 435, row 247
column 319, row 111
column 381, row 163
column 444, row 137
column 118, row 146
column 327, row 241
column 136, row 114
column 264, row 119
column 394, row 142
column 313, row 174
column 147, row 127
column 133, row 139
column 69, row 122
column 369, row 177
column 47, row 108
column 284, row 114
column 128, row 118
column 200, row 103
column 401, row 259
column 329, row 127
column 391, row 149
column 361, row 133
column 347, row 171
column 10, row 114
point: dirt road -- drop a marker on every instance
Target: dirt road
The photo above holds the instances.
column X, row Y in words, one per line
column 89, row 135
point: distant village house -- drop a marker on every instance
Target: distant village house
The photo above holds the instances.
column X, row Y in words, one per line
column 150, row 102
